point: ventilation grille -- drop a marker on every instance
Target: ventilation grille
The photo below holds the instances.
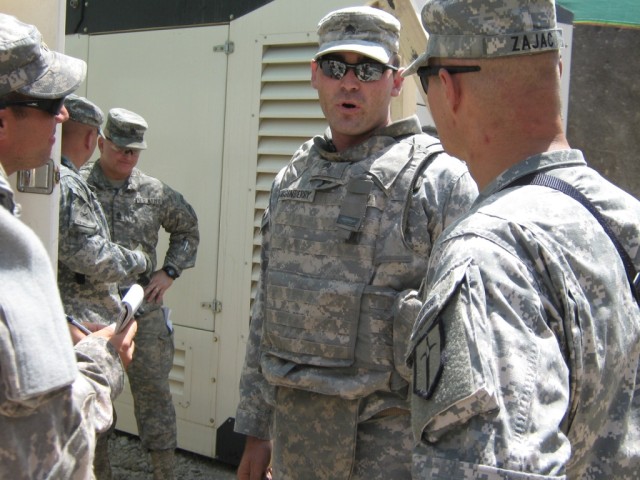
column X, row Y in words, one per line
column 289, row 115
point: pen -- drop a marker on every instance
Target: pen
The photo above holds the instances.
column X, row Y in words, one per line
column 78, row 325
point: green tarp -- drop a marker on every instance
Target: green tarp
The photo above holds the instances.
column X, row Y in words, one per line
column 624, row 13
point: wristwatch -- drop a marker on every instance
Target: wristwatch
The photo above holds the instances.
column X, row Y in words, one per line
column 169, row 270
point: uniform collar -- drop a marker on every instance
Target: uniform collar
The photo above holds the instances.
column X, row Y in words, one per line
column 99, row 178
column 537, row 163
column 379, row 139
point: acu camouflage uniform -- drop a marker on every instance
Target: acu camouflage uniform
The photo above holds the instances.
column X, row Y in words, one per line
column 526, row 351
column 346, row 239
column 89, row 264
column 51, row 404
column 136, row 212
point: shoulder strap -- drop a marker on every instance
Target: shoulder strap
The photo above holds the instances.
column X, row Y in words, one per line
column 568, row 189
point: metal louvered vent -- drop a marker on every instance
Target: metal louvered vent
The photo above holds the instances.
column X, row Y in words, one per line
column 289, row 115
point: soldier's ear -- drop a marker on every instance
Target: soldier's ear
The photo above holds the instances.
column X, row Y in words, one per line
column 314, row 73
column 3, row 122
column 398, row 81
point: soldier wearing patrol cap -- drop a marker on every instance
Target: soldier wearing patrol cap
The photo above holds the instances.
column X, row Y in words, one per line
column 526, row 353
column 345, row 242
column 52, row 401
column 90, row 265
column 125, row 129
column 137, row 206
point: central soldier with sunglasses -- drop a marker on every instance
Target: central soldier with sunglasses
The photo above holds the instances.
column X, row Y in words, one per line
column 346, row 239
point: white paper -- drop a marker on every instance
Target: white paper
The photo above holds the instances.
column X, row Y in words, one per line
column 130, row 304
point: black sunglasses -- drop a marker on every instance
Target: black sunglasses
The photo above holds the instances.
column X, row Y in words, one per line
column 50, row 105
column 365, row 71
column 425, row 72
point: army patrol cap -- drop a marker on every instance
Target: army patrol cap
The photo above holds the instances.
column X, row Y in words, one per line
column 369, row 31
column 125, row 129
column 83, row 111
column 487, row 29
column 27, row 66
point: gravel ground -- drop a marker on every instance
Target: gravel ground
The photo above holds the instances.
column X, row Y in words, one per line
column 130, row 462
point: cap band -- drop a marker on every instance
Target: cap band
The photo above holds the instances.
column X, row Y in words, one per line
column 478, row 46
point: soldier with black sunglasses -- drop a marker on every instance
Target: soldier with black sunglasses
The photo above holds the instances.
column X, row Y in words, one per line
column 346, row 240
column 526, row 355
column 53, row 399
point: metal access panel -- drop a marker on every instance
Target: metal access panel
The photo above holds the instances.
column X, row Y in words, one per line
column 175, row 79
column 193, row 387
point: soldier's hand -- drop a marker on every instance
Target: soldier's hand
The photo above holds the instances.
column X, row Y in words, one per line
column 123, row 341
column 77, row 334
column 159, row 283
column 255, row 461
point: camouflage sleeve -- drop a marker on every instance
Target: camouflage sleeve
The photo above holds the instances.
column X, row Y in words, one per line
column 181, row 222
column 254, row 413
column 103, row 374
column 489, row 378
column 83, row 243
column 53, row 435
column 442, row 194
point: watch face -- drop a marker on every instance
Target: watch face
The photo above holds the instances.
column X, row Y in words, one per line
column 171, row 272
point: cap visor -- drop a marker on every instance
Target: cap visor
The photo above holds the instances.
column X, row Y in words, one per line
column 370, row 50
column 413, row 67
column 127, row 143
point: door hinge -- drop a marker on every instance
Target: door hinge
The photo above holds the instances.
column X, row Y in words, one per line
column 216, row 306
column 228, row 47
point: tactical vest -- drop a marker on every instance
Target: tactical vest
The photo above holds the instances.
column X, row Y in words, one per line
column 328, row 326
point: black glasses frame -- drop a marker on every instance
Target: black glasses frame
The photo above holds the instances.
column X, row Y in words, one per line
column 425, row 72
column 370, row 71
column 52, row 106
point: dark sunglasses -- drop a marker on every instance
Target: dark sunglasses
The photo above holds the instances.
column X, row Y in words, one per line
column 50, row 105
column 365, row 71
column 123, row 150
column 425, row 72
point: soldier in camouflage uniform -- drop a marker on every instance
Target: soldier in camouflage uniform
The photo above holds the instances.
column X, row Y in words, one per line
column 346, row 239
column 89, row 264
column 526, row 351
column 137, row 206
column 52, row 402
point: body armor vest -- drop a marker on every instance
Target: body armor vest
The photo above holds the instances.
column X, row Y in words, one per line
column 328, row 323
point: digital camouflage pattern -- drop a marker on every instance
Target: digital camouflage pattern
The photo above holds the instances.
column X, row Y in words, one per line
column 370, row 31
column 346, row 239
column 126, row 128
column 481, row 29
column 540, row 340
column 52, row 402
column 380, row 449
column 149, row 379
column 83, row 111
column 89, row 264
column 29, row 67
column 136, row 212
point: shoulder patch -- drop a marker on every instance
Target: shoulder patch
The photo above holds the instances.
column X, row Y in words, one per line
column 428, row 362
